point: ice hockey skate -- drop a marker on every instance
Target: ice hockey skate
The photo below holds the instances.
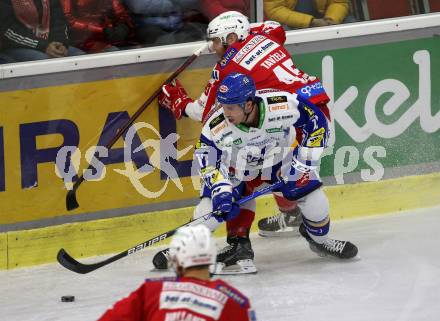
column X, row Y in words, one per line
column 283, row 224
column 336, row 248
column 235, row 258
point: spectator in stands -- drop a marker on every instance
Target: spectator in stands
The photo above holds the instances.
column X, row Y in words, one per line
column 99, row 25
column 307, row 13
column 34, row 30
column 212, row 8
column 161, row 22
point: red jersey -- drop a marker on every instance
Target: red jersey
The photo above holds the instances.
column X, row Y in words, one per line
column 182, row 299
column 262, row 56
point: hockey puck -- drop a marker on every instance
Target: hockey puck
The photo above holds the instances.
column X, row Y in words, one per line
column 67, row 298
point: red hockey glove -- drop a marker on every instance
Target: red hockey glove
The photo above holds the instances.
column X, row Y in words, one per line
column 174, row 98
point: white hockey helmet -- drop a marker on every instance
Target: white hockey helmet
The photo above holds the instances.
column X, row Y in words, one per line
column 229, row 22
column 192, row 246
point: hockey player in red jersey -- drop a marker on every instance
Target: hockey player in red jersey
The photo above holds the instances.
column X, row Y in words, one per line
column 256, row 51
column 191, row 295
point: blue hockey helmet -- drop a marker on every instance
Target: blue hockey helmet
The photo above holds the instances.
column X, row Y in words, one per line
column 236, row 88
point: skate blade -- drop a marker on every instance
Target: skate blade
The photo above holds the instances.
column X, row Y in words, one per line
column 242, row 267
column 285, row 233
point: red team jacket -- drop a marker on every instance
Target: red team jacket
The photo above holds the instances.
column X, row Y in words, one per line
column 182, row 299
column 88, row 18
column 262, row 56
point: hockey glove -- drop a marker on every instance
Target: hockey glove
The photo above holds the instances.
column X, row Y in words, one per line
column 174, row 98
column 300, row 180
column 221, row 196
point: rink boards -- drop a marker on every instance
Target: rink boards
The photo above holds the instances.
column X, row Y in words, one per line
column 384, row 158
column 85, row 239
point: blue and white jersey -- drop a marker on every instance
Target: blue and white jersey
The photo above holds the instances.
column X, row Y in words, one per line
column 253, row 150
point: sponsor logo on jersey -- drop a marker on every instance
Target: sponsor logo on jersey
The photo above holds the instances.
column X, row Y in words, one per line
column 248, row 47
column 217, row 120
column 219, row 127
column 225, row 135
column 258, row 53
column 276, row 99
column 320, row 131
column 182, row 316
column 259, row 143
column 254, row 51
column 234, row 295
column 195, row 288
column 273, row 59
column 211, row 112
column 274, row 130
column 265, row 91
column 227, row 57
column 278, row 107
column 271, row 119
column 309, row 110
column 308, row 91
column 315, row 141
column 192, row 297
column 164, row 278
column 238, row 141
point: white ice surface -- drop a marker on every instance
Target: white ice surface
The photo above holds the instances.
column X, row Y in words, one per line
column 396, row 279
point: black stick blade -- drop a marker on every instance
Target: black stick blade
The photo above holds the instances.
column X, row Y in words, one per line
column 71, row 264
column 71, row 202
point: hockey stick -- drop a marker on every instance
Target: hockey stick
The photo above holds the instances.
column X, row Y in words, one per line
column 73, row 265
column 71, row 201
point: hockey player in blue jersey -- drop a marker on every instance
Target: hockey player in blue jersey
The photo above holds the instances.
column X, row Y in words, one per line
column 247, row 142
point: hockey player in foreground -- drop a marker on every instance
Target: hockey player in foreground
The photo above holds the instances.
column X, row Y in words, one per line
column 256, row 50
column 191, row 295
column 246, row 142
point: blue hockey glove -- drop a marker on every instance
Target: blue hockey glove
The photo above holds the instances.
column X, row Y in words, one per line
column 224, row 208
column 301, row 180
column 222, row 195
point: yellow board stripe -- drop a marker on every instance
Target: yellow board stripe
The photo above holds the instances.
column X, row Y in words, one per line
column 38, row 246
column 3, row 251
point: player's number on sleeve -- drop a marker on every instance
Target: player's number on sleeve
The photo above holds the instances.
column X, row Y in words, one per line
column 287, row 73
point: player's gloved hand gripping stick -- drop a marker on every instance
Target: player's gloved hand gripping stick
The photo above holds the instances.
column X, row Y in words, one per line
column 71, row 202
column 70, row 263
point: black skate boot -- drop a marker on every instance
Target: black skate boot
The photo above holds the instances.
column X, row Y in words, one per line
column 282, row 224
column 160, row 260
column 235, row 258
column 336, row 248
